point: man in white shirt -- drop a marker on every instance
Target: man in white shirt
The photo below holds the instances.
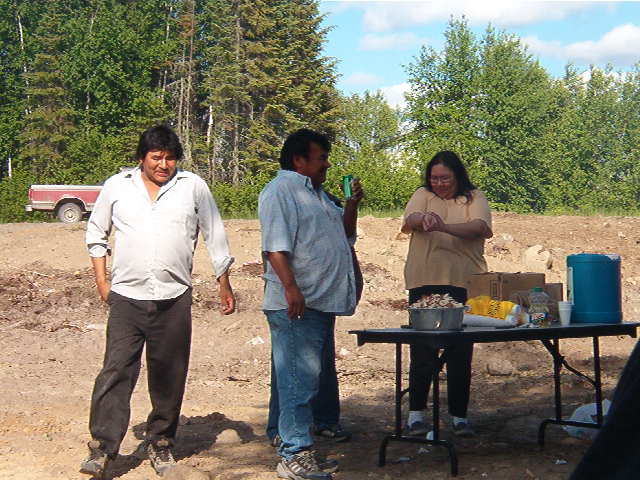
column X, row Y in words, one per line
column 156, row 212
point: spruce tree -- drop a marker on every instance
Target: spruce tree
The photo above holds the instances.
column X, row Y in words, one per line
column 264, row 76
column 51, row 121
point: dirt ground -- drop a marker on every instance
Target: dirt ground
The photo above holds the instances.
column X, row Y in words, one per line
column 52, row 329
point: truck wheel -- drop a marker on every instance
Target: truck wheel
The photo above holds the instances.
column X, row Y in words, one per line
column 69, row 213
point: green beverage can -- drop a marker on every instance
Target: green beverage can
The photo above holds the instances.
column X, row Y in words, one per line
column 346, row 185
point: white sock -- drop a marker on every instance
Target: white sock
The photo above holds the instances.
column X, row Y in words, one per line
column 457, row 420
column 415, row 416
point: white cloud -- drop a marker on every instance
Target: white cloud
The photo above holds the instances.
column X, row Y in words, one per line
column 389, row 16
column 394, row 94
column 331, row 6
column 361, row 79
column 619, row 47
column 399, row 40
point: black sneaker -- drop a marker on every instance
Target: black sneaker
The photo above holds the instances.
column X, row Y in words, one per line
column 335, row 432
column 302, row 466
column 96, row 463
column 417, row 429
column 327, row 465
column 276, row 441
column 160, row 456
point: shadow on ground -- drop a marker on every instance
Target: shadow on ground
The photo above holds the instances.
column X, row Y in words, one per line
column 196, row 436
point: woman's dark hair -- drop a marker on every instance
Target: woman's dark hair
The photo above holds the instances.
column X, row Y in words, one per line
column 298, row 143
column 451, row 160
column 159, row 137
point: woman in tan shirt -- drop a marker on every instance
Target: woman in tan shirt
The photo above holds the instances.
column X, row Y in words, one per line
column 449, row 220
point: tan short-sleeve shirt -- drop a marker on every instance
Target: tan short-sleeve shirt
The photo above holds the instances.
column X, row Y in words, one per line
column 437, row 258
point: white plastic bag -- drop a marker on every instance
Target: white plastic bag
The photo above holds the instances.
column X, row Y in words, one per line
column 587, row 414
column 471, row 320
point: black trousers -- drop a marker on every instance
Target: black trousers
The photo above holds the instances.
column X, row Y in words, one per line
column 423, row 361
column 613, row 455
column 165, row 327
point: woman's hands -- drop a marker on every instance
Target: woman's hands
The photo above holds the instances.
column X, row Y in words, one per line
column 431, row 222
column 425, row 222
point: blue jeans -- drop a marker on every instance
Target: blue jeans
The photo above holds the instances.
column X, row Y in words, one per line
column 304, row 384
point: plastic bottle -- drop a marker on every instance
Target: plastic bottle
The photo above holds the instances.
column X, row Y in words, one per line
column 539, row 307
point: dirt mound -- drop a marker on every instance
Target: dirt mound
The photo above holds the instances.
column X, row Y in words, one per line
column 372, row 270
column 44, row 299
column 252, row 269
column 390, row 304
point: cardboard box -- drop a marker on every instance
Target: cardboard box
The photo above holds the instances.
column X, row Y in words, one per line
column 556, row 293
column 502, row 285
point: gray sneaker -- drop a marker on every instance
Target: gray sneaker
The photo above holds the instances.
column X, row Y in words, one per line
column 96, row 463
column 160, row 456
column 302, row 466
column 327, row 465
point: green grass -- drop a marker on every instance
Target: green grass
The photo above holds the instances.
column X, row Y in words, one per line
column 594, row 212
column 397, row 212
column 239, row 216
column 391, row 213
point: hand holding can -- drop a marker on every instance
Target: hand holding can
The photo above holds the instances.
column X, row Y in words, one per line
column 346, row 186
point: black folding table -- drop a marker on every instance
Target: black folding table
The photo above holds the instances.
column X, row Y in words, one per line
column 550, row 338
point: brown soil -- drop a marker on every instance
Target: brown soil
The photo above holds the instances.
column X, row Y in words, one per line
column 52, row 328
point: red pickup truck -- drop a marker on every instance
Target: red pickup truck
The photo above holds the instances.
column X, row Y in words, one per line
column 68, row 202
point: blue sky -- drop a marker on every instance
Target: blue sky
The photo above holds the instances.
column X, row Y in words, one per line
column 373, row 40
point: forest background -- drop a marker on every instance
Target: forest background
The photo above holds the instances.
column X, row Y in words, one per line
column 79, row 81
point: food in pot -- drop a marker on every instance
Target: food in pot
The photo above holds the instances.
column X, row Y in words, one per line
column 436, row 300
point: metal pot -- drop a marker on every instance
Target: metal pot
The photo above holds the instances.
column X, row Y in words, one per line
column 436, row 318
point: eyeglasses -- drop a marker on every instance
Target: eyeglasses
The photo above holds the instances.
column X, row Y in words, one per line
column 441, row 180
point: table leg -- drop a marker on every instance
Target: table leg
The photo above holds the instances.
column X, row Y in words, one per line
column 558, row 362
column 397, row 435
column 553, row 347
column 557, row 367
column 436, row 397
column 382, row 453
column 597, row 380
column 398, row 389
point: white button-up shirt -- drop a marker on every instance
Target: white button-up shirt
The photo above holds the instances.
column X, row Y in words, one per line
column 155, row 240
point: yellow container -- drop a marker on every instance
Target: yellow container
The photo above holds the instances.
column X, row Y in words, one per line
column 485, row 305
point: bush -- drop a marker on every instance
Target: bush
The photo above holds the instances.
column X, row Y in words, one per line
column 388, row 184
column 240, row 201
column 14, row 195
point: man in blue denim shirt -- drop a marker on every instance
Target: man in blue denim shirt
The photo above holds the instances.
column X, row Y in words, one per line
column 309, row 279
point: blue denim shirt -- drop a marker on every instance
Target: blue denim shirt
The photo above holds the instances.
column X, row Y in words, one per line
column 302, row 221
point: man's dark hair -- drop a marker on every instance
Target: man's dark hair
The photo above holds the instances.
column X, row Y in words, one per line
column 159, row 137
column 298, row 143
column 451, row 160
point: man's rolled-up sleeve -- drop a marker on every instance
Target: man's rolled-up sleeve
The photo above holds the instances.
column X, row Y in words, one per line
column 215, row 237
column 278, row 221
column 99, row 225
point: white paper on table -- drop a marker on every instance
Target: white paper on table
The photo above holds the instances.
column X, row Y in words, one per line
column 471, row 320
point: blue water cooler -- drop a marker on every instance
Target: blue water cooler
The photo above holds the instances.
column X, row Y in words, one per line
column 593, row 286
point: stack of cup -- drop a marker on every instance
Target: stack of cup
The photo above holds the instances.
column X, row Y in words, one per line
column 564, row 309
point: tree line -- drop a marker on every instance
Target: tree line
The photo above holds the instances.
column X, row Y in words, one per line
column 532, row 142
column 79, row 80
